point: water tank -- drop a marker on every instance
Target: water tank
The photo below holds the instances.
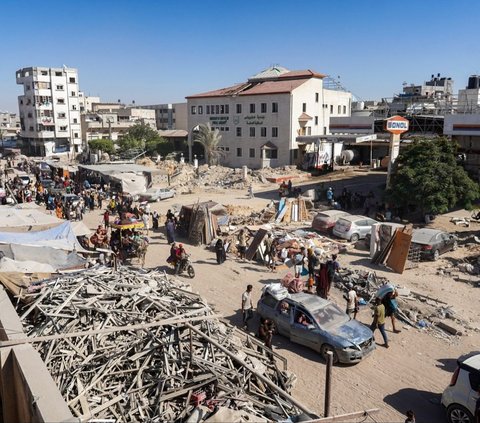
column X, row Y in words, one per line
column 347, row 156
column 473, row 82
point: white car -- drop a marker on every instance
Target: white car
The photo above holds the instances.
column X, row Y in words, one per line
column 156, row 194
column 353, row 227
column 461, row 396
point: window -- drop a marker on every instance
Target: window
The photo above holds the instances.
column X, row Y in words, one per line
column 331, row 108
column 27, row 87
column 74, row 107
column 309, row 130
column 208, row 110
column 31, row 128
column 263, row 107
column 227, row 128
column 252, row 131
column 200, row 110
column 344, row 110
column 217, row 109
column 271, row 154
column 339, row 109
column 252, row 107
column 316, row 97
column 316, row 120
column 274, row 132
column 239, row 108
column 274, row 107
column 239, row 131
column 71, row 80
column 59, row 87
column 72, row 94
column 75, row 135
column 251, row 153
column 61, row 101
column 227, row 109
column 75, row 120
column 222, row 109
column 304, row 107
column 44, row 73
column 58, row 73
column 63, row 128
column 194, row 110
column 263, row 131
column 239, row 152
column 324, row 130
column 29, row 115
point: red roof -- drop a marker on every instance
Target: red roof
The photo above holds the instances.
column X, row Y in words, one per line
column 283, row 84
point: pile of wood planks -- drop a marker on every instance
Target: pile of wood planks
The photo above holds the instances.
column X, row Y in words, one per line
column 132, row 345
column 291, row 210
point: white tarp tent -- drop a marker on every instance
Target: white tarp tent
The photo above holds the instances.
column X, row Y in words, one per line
column 132, row 183
column 14, row 217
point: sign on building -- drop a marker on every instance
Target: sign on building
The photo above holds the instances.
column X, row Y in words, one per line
column 396, row 125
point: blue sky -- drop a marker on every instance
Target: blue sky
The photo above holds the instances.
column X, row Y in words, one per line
column 161, row 51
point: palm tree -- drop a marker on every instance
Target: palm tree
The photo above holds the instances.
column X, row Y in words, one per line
column 209, row 138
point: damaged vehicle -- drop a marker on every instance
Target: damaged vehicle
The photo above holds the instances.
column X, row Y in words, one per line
column 433, row 242
column 316, row 323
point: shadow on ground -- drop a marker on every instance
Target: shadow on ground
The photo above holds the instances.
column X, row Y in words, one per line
column 426, row 405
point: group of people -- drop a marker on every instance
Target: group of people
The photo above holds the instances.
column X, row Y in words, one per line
column 286, row 189
column 177, row 256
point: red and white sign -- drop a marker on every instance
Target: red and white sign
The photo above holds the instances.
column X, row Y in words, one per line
column 397, row 125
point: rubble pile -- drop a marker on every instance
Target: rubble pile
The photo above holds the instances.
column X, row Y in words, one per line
column 416, row 310
column 133, row 346
column 185, row 178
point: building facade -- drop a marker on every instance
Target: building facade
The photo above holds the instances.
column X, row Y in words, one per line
column 86, row 102
column 170, row 116
column 260, row 120
column 49, row 111
column 9, row 125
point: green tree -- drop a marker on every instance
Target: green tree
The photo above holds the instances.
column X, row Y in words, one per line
column 209, row 138
column 104, row 145
column 426, row 175
column 145, row 138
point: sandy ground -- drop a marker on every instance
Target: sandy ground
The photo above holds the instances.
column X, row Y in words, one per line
column 411, row 374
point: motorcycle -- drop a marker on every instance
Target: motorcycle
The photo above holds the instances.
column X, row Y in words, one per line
column 185, row 265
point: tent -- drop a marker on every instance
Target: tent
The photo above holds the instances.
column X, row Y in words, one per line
column 61, row 237
column 16, row 217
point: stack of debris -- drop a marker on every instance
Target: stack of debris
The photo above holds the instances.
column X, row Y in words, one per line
column 133, row 346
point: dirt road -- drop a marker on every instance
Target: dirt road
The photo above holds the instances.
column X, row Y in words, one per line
column 411, row 374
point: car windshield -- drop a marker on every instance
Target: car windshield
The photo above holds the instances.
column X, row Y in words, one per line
column 330, row 316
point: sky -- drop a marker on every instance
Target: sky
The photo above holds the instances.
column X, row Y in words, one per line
column 161, row 51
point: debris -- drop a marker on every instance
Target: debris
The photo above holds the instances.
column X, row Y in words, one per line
column 133, row 346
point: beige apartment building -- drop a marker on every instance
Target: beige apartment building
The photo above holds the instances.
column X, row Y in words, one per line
column 261, row 119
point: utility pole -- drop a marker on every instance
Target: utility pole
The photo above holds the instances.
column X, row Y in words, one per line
column 328, row 384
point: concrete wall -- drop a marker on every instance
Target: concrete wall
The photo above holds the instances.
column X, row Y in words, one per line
column 27, row 390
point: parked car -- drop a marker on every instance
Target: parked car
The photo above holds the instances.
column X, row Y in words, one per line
column 433, row 242
column 156, row 194
column 72, row 198
column 327, row 327
column 325, row 221
column 460, row 397
column 353, row 227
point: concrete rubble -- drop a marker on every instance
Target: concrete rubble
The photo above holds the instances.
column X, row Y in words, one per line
column 133, row 345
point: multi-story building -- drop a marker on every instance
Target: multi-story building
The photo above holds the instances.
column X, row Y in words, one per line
column 86, row 102
column 113, row 120
column 261, row 119
column 170, row 116
column 49, row 111
column 9, row 125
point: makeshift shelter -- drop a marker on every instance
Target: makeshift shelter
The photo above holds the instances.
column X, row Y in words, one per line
column 61, row 237
column 202, row 220
column 13, row 217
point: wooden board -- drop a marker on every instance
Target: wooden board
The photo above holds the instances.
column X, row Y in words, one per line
column 399, row 252
column 257, row 240
column 282, row 208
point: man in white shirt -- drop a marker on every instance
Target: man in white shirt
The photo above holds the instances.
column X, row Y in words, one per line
column 352, row 302
column 247, row 306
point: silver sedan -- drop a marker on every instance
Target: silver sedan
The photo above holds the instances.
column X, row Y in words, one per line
column 318, row 324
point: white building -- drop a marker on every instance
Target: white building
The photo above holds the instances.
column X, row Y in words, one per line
column 49, row 111
column 86, row 102
column 260, row 119
column 170, row 116
column 9, row 124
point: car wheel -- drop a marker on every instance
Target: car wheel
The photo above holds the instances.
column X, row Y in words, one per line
column 436, row 255
column 354, row 238
column 457, row 413
column 158, row 200
column 455, row 245
column 324, row 352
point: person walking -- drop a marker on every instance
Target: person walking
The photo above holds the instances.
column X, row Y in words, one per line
column 299, row 261
column 155, row 219
column 379, row 320
column 352, row 302
column 272, row 256
column 332, row 267
column 391, row 306
column 170, row 226
column 220, row 251
column 247, row 306
column 265, row 332
column 250, row 191
column 242, row 244
column 146, row 223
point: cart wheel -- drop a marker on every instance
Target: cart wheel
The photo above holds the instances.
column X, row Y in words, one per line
column 191, row 272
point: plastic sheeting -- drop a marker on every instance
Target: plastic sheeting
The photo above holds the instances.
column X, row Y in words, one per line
column 14, row 217
column 131, row 182
column 61, row 237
